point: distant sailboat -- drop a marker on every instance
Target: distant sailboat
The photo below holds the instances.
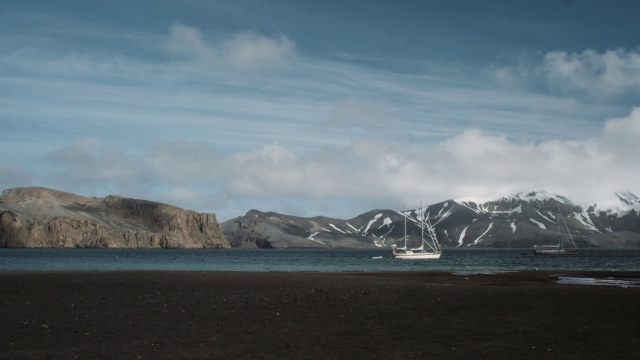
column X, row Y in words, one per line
column 568, row 247
column 434, row 250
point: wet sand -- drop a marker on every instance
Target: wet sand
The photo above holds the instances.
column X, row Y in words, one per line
column 232, row 315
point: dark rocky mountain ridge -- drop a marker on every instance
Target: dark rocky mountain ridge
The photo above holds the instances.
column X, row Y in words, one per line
column 512, row 221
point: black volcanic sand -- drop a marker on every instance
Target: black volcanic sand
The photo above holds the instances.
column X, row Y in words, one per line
column 231, row 315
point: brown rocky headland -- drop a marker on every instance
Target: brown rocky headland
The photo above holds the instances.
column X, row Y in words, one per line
column 36, row 217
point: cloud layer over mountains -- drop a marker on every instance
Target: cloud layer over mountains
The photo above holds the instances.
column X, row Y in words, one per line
column 471, row 163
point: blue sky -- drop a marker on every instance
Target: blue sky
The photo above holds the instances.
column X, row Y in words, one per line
column 319, row 108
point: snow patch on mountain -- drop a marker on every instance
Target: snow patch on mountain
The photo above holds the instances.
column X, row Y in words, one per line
column 585, row 220
column 465, row 204
column 544, row 217
column 513, row 226
column 507, row 212
column 541, row 225
column 335, row 227
column 462, row 234
column 476, row 241
column 371, row 222
column 444, row 216
column 444, row 206
column 311, row 237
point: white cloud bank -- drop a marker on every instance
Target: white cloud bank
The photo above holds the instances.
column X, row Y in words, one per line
column 194, row 176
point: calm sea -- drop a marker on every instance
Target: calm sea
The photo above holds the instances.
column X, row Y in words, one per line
column 308, row 260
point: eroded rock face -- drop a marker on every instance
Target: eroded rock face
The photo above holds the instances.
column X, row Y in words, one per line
column 40, row 217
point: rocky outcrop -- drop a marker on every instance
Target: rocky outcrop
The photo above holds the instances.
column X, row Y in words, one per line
column 39, row 217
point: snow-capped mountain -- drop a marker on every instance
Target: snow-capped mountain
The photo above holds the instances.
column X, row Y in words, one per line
column 621, row 205
column 517, row 220
column 620, row 213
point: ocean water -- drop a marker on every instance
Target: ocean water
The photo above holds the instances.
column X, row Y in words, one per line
column 316, row 260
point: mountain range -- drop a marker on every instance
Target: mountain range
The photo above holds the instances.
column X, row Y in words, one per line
column 517, row 220
column 41, row 217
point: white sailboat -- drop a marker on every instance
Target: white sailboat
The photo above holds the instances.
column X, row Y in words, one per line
column 434, row 250
column 569, row 247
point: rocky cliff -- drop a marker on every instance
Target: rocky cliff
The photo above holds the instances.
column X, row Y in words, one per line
column 40, row 217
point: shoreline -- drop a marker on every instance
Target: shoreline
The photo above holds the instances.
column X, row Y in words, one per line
column 156, row 314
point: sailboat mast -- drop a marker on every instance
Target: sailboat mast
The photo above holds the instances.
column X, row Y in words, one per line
column 405, row 225
column 421, row 225
column 558, row 221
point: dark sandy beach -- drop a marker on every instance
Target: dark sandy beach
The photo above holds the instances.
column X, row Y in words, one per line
column 220, row 315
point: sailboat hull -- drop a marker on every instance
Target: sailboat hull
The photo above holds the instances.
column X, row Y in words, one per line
column 417, row 256
column 555, row 251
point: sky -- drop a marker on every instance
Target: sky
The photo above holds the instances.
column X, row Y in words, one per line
column 309, row 108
